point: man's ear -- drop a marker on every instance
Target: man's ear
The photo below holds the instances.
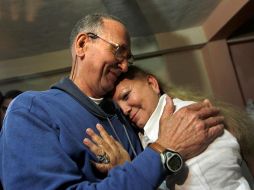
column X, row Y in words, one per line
column 80, row 44
column 153, row 82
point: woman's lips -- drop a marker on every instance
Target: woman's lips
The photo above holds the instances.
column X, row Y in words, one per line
column 134, row 117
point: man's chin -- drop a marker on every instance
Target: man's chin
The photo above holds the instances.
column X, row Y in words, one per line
column 108, row 88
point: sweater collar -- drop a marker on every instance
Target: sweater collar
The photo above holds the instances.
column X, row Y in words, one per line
column 105, row 108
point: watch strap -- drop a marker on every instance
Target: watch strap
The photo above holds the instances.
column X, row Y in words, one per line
column 157, row 147
column 171, row 161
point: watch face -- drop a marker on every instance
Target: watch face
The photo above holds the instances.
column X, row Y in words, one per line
column 173, row 162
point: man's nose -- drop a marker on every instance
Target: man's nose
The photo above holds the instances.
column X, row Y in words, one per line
column 123, row 65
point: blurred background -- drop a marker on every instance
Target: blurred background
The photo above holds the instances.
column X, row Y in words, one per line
column 206, row 45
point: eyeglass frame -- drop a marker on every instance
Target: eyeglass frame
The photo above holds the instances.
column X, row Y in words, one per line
column 116, row 46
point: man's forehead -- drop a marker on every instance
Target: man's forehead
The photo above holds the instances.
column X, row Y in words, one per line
column 111, row 21
column 115, row 29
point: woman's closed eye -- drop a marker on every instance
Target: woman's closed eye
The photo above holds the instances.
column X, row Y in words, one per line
column 125, row 96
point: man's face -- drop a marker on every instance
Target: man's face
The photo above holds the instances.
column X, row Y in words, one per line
column 102, row 67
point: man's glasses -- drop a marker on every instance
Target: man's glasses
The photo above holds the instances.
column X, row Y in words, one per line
column 120, row 52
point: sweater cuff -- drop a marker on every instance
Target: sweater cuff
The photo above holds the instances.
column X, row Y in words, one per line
column 150, row 166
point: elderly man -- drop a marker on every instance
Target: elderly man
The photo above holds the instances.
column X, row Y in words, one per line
column 41, row 143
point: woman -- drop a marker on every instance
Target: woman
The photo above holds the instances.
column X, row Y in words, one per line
column 141, row 99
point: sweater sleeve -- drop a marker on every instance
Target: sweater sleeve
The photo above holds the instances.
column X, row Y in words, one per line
column 33, row 158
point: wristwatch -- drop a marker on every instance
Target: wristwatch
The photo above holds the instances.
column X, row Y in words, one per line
column 172, row 161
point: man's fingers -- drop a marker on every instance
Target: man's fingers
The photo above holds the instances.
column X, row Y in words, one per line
column 168, row 109
column 106, row 137
column 208, row 112
column 214, row 132
column 96, row 138
column 208, row 103
column 117, row 143
column 92, row 147
column 213, row 121
column 199, row 105
column 102, row 167
column 101, row 143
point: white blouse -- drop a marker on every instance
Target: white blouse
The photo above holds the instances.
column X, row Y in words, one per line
column 217, row 168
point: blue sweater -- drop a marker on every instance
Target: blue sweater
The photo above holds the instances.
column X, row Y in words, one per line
column 41, row 145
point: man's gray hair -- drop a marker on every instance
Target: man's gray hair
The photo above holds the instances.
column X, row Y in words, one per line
column 91, row 23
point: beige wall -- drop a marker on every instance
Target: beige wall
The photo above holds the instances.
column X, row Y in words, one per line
column 189, row 57
column 243, row 59
column 35, row 83
column 184, row 68
column 35, row 72
column 208, row 68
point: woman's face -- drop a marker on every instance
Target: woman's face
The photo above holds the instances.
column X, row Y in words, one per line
column 137, row 98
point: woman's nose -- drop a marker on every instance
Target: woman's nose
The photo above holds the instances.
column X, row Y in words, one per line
column 126, row 110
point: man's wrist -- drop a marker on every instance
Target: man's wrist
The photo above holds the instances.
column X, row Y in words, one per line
column 157, row 147
column 171, row 160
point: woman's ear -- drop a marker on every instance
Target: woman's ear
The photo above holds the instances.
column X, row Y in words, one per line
column 153, row 82
column 80, row 44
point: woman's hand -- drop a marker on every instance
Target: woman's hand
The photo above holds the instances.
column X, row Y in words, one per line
column 109, row 152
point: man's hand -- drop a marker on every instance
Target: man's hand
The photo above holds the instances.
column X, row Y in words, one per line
column 191, row 129
column 106, row 145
